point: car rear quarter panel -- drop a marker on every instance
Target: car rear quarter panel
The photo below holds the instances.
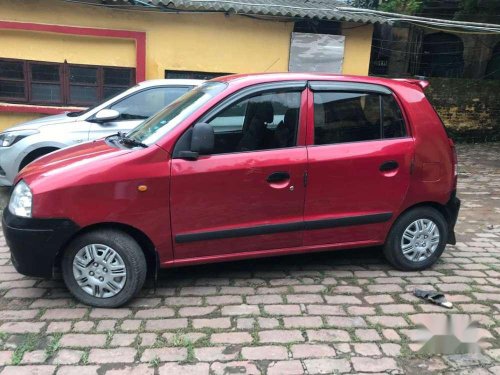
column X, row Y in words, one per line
column 432, row 171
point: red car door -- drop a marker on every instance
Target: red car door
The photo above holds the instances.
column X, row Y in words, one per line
column 248, row 195
column 359, row 163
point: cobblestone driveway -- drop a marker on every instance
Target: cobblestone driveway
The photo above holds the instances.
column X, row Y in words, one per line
column 346, row 312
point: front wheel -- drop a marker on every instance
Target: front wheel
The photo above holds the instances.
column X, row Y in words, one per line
column 104, row 268
column 417, row 239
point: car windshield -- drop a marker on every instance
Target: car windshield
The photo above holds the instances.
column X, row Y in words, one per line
column 154, row 128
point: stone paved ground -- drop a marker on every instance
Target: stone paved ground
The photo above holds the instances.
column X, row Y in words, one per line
column 346, row 312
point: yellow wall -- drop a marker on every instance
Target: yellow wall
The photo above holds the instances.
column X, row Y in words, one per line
column 8, row 119
column 74, row 49
column 198, row 42
column 211, row 42
column 357, row 49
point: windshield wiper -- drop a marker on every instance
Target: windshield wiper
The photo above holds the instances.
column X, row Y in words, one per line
column 125, row 140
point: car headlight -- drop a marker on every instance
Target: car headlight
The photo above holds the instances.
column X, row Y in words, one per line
column 21, row 200
column 7, row 139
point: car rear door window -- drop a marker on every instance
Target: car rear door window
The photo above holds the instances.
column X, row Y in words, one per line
column 146, row 103
column 341, row 117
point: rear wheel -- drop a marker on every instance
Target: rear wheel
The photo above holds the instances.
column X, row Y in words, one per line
column 104, row 268
column 417, row 239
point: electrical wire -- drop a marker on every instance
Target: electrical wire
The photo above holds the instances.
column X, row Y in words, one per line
column 454, row 30
column 477, row 28
column 445, row 44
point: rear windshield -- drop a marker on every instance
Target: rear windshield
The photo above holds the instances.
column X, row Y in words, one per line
column 154, row 128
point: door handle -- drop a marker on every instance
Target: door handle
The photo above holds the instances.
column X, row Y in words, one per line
column 278, row 177
column 389, row 166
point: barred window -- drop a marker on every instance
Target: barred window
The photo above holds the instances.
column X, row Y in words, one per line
column 36, row 82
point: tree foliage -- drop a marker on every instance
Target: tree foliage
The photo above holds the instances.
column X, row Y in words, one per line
column 365, row 4
column 401, row 6
column 478, row 11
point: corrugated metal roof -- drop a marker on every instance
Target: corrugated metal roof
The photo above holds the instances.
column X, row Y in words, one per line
column 319, row 9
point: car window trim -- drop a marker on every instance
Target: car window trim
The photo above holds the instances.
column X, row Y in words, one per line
column 364, row 141
column 246, row 152
column 349, row 87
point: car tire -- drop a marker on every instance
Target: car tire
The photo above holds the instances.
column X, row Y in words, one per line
column 418, row 253
column 109, row 264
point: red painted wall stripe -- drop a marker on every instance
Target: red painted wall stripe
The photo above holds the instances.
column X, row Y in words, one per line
column 26, row 108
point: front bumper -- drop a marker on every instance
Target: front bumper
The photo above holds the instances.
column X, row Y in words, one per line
column 35, row 243
column 452, row 208
column 8, row 165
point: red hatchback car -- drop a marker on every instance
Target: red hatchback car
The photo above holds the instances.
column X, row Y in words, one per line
column 243, row 166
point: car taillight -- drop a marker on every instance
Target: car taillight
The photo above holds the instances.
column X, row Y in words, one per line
column 455, row 163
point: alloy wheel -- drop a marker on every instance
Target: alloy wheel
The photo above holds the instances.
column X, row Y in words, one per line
column 99, row 270
column 420, row 240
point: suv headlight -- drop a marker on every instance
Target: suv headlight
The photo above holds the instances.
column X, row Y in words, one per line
column 21, row 200
column 7, row 139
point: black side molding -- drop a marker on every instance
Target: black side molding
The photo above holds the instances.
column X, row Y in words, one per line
column 347, row 221
column 239, row 232
column 286, row 227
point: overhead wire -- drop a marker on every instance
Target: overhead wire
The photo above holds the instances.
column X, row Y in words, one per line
column 454, row 30
column 478, row 28
column 472, row 27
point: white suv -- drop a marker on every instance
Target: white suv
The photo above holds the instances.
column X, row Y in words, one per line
column 23, row 143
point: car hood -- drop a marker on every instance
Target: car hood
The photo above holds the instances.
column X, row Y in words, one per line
column 69, row 164
column 39, row 122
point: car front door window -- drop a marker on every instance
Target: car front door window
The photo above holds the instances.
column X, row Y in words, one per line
column 261, row 122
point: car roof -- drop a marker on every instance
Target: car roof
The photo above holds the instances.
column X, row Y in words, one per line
column 171, row 82
column 251, row 79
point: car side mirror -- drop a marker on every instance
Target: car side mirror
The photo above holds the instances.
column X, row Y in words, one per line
column 202, row 141
column 105, row 115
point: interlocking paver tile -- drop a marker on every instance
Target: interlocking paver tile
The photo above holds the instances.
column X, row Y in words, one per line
column 285, row 368
column 281, row 336
column 260, row 353
column 327, row 313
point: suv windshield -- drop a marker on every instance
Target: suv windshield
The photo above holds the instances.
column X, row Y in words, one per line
column 160, row 124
